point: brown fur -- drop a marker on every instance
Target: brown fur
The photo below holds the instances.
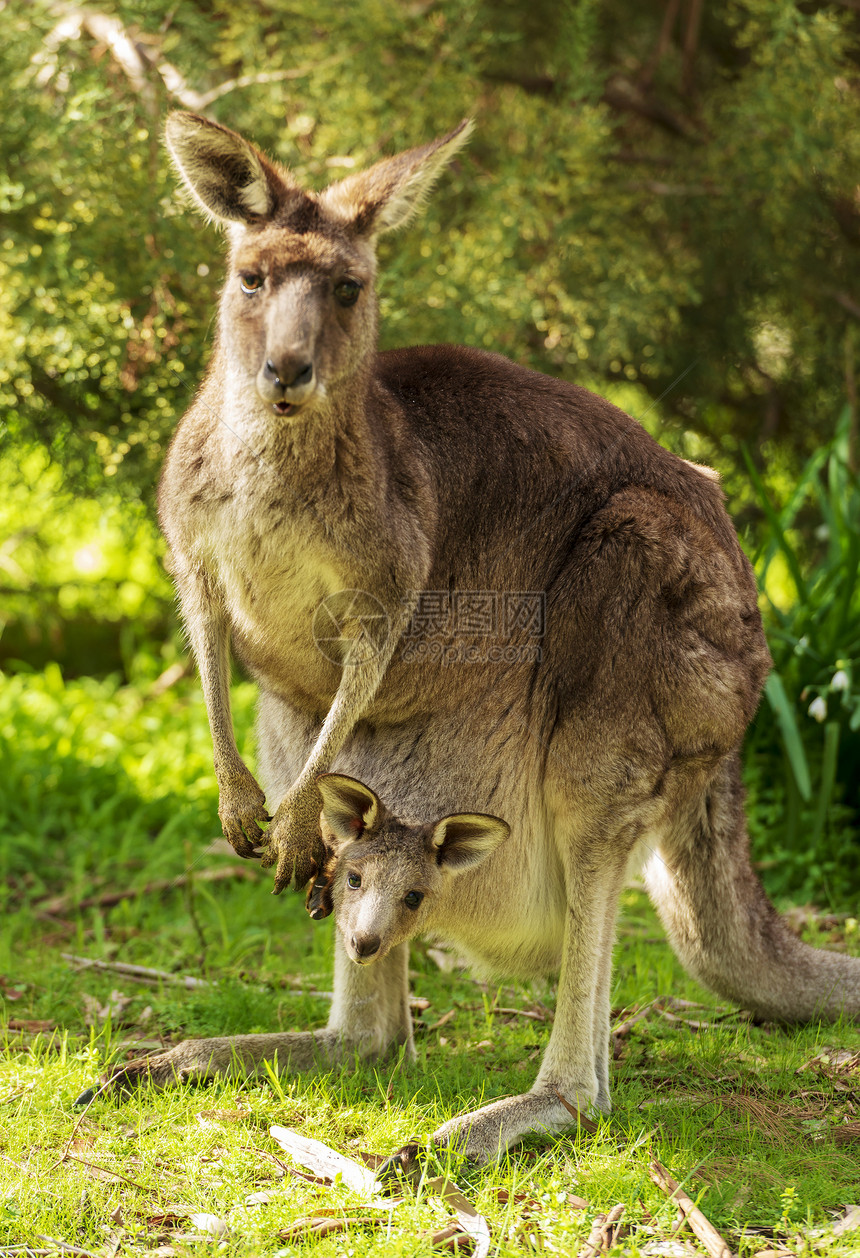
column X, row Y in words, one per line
column 311, row 464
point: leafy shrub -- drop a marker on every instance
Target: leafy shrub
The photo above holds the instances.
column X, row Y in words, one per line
column 96, row 777
column 810, row 722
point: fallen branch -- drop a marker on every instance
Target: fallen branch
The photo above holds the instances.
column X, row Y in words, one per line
column 443, row 1021
column 693, row 1024
column 103, row 1171
column 601, row 1235
column 65, row 1248
column 142, row 973
column 63, row 903
column 625, row 1027
column 446, row 1237
column 677, row 1002
column 699, row 1225
column 321, row 1225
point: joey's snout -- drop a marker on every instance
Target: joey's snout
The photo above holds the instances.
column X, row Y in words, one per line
column 364, row 947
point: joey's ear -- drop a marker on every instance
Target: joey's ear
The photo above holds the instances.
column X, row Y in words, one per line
column 390, row 193
column 466, row 839
column 349, row 807
column 228, row 178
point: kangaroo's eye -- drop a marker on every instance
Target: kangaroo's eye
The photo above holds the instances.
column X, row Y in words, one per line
column 250, row 283
column 413, row 898
column 347, row 292
column 354, row 881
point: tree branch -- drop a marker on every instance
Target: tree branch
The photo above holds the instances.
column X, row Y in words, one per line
column 621, row 93
column 137, row 61
column 128, row 54
column 691, row 42
column 663, row 41
column 848, row 303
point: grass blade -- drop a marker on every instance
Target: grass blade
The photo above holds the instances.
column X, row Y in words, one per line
column 784, row 713
column 828, row 777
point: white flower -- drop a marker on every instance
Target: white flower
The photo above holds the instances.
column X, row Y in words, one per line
column 839, row 680
column 818, row 709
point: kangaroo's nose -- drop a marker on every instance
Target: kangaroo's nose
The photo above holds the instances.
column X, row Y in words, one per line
column 289, row 374
column 365, row 946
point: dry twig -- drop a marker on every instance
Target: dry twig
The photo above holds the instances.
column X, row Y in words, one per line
column 142, row 973
column 699, row 1225
column 602, row 1232
column 63, row 904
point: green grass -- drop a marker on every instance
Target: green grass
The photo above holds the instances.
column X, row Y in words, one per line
column 102, row 788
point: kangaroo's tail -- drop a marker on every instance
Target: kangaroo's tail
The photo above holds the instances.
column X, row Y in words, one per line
column 722, row 925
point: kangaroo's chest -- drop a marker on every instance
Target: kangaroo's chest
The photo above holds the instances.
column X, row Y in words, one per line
column 282, row 585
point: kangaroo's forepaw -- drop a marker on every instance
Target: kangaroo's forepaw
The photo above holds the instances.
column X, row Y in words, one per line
column 242, row 809
column 293, row 843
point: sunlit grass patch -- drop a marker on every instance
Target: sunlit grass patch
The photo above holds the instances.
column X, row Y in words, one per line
column 758, row 1124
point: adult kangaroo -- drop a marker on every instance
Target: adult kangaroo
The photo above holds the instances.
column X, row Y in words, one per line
column 442, row 478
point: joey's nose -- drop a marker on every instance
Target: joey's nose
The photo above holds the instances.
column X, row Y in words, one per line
column 365, row 946
column 289, row 375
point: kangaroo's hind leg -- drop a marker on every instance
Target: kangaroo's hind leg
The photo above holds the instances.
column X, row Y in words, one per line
column 369, row 1018
column 575, row 1065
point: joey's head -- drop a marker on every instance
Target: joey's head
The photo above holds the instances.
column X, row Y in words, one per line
column 298, row 312
column 385, row 873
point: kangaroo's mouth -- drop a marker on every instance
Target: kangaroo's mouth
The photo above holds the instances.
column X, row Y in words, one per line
column 286, row 400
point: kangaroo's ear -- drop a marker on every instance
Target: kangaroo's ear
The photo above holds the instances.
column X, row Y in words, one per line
column 227, row 177
column 466, row 839
column 349, row 808
column 393, row 191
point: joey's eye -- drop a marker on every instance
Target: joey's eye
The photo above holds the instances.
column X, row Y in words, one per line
column 413, row 898
column 250, row 283
column 354, row 881
column 347, row 292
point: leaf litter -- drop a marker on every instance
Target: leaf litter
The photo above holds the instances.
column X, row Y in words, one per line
column 329, row 1165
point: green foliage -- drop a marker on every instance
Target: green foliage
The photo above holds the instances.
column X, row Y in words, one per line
column 813, row 691
column 105, row 788
column 81, row 580
column 633, row 208
column 96, row 777
column 650, row 216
